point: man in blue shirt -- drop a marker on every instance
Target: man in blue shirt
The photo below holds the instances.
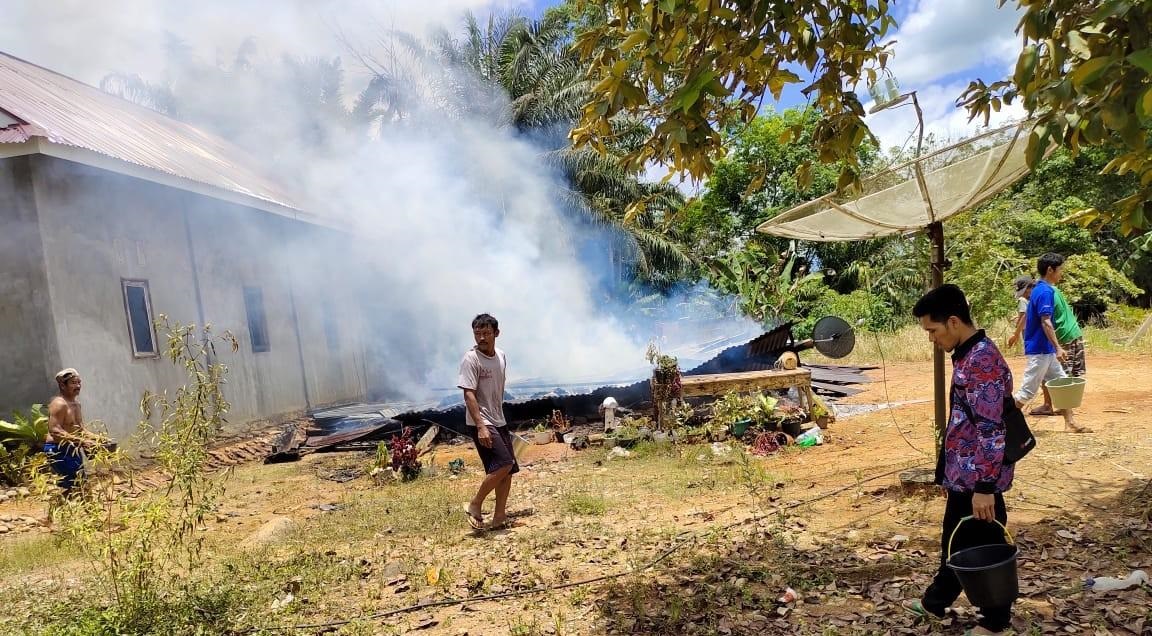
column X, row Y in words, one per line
column 1042, row 351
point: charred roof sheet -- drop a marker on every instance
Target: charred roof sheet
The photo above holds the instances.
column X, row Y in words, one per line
column 757, row 354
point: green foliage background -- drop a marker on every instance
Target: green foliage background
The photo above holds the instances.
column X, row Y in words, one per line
column 876, row 282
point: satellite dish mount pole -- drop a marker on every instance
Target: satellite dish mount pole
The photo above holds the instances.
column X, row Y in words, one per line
column 939, row 264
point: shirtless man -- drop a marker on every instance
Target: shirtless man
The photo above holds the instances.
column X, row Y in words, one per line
column 67, row 440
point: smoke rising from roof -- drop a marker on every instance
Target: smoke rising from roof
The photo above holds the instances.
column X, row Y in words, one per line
column 449, row 211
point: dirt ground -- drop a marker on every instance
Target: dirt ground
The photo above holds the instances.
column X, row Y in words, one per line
column 689, row 543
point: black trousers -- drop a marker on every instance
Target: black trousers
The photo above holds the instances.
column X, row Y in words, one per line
column 945, row 588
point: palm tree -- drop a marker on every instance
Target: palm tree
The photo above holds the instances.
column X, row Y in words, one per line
column 522, row 74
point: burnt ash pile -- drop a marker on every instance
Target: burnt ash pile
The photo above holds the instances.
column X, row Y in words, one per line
column 360, row 425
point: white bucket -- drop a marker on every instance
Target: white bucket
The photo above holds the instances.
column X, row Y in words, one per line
column 1067, row 393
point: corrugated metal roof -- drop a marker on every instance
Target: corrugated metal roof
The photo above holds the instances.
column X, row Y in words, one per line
column 63, row 111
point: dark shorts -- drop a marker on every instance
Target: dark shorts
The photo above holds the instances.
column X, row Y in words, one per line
column 67, row 461
column 1074, row 365
column 501, row 454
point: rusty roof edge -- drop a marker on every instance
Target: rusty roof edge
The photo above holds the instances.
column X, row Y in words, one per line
column 251, row 188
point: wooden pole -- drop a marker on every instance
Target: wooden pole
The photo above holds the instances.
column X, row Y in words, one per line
column 936, row 236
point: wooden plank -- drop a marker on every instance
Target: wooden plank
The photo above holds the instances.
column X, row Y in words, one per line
column 720, row 383
column 836, row 388
column 842, row 378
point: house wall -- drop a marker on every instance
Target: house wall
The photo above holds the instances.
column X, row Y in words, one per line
column 197, row 255
column 287, row 260
column 28, row 352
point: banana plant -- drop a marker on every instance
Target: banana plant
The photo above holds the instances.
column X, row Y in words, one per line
column 771, row 286
column 26, row 429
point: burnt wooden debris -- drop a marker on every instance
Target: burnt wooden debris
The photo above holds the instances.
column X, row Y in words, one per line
column 359, row 426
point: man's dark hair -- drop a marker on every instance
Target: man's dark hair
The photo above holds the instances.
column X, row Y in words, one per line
column 485, row 320
column 1051, row 260
column 942, row 302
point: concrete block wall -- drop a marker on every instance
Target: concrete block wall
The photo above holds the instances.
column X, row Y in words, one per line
column 29, row 355
column 197, row 254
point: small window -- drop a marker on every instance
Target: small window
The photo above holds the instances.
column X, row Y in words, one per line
column 257, row 324
column 331, row 329
column 141, row 329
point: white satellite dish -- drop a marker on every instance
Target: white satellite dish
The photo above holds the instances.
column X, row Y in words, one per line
column 915, row 196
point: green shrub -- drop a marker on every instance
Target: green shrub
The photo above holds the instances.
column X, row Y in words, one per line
column 21, row 462
column 29, row 429
column 1124, row 317
column 869, row 310
column 1091, row 284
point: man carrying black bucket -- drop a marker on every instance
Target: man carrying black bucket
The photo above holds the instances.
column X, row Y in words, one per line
column 970, row 465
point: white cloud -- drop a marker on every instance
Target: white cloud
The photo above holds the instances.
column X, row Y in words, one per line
column 896, row 127
column 940, row 47
column 941, row 38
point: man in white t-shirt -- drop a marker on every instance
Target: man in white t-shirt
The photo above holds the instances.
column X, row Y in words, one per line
column 482, row 374
column 1023, row 285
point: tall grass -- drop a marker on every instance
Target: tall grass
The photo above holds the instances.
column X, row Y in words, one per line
column 910, row 343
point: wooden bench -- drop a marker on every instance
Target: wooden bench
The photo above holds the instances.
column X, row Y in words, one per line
column 749, row 381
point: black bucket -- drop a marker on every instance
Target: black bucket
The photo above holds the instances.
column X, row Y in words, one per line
column 987, row 572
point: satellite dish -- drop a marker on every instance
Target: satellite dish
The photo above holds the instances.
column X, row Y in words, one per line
column 911, row 196
column 833, row 337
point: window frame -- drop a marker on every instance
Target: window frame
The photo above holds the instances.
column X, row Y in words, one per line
column 266, row 345
column 150, row 314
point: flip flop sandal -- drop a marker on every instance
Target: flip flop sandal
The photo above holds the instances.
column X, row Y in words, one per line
column 917, row 609
column 476, row 523
column 504, row 525
column 1039, row 410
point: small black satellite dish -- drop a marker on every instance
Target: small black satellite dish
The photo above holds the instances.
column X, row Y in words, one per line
column 833, row 337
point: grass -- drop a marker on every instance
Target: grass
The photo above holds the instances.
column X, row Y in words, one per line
column 33, row 552
column 910, row 343
column 585, row 504
column 340, row 563
column 426, row 507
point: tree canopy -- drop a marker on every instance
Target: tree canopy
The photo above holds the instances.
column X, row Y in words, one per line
column 693, row 67
column 1085, row 73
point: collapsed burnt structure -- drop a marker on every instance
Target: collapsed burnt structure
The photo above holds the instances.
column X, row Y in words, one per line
column 358, row 425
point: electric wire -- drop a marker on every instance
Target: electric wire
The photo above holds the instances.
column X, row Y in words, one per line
column 888, row 399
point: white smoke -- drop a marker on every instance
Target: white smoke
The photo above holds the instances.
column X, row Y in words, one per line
column 458, row 214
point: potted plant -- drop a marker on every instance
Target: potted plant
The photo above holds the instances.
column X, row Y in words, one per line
column 732, row 414
column 405, row 457
column 627, row 436
column 541, row 434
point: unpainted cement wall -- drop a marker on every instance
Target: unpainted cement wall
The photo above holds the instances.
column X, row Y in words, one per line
column 28, row 353
column 197, row 255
